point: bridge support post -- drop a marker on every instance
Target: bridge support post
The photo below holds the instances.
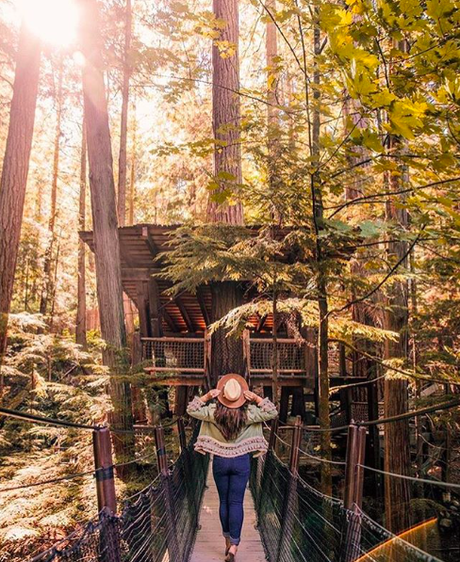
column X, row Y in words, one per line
column 289, row 504
column 173, row 545
column 105, row 484
column 353, row 494
column 106, row 496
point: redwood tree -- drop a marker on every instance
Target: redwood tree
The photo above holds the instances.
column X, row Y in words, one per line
column 227, row 352
column 16, row 167
column 104, row 212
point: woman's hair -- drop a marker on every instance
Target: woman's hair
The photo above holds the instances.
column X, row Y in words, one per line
column 230, row 421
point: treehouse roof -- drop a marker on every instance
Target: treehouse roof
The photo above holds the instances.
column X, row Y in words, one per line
column 140, row 245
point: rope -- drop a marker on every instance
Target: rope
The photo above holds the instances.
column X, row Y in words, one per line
column 321, row 459
column 23, row 416
column 412, row 478
column 408, row 415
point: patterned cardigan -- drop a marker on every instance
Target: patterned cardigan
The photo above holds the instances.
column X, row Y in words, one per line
column 250, row 439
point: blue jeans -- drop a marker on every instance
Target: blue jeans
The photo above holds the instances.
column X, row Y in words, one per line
column 231, row 477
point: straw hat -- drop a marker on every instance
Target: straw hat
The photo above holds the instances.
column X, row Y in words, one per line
column 233, row 387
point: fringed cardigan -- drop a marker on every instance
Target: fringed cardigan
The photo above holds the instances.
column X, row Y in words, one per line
column 250, row 439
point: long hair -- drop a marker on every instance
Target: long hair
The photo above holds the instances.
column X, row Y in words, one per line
column 230, row 421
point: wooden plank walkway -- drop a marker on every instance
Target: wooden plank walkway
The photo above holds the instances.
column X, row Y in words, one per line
column 210, row 544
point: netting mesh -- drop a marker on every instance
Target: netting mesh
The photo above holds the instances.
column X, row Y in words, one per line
column 156, row 525
column 296, row 522
column 174, row 355
column 290, row 356
column 377, row 544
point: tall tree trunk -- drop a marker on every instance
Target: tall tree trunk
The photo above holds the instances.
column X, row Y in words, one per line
column 226, row 114
column 318, row 213
column 132, row 183
column 396, row 318
column 15, row 170
column 227, row 353
column 106, row 241
column 47, row 268
column 122, row 160
column 80, row 326
column 271, row 52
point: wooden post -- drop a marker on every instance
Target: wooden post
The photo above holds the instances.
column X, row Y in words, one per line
column 273, row 430
column 247, row 355
column 105, row 484
column 353, row 495
column 161, row 450
column 182, row 434
column 173, row 545
column 291, row 492
column 106, row 496
column 295, row 446
column 207, row 358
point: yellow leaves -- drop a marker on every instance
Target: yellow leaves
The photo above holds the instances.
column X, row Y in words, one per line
column 438, row 9
column 226, row 49
column 405, row 117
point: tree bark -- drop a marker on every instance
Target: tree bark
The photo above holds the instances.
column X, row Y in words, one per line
column 47, row 289
column 271, row 51
column 227, row 352
column 122, row 160
column 132, row 185
column 80, row 327
column 226, row 115
column 396, row 319
column 321, row 283
column 15, row 169
column 106, row 240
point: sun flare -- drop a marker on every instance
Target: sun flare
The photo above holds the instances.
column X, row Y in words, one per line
column 54, row 21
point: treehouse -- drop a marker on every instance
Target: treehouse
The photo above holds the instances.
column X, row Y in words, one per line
column 177, row 349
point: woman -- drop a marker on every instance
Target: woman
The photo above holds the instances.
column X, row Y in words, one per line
column 231, row 430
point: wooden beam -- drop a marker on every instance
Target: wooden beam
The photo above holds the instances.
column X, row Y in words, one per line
column 142, row 306
column 155, row 308
column 202, row 303
column 169, row 320
column 145, row 233
column 137, row 273
column 185, row 315
column 261, row 323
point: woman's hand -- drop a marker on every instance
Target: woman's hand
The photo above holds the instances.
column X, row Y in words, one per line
column 252, row 397
column 214, row 393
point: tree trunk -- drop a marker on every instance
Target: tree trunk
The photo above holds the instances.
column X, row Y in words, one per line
column 271, row 50
column 323, row 330
column 227, row 352
column 80, row 327
column 396, row 438
column 132, row 185
column 15, row 169
column 106, row 241
column 47, row 268
column 226, row 115
column 227, row 356
column 122, row 160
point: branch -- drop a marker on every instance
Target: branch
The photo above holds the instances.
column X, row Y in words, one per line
column 389, row 194
column 384, row 280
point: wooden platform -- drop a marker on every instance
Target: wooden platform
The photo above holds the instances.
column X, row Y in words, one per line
column 210, row 544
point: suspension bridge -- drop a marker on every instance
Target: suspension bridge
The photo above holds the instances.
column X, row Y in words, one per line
column 175, row 518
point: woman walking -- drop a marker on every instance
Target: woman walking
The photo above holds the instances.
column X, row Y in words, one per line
column 231, row 431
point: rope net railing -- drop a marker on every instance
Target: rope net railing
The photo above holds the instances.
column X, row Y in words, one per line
column 175, row 354
column 159, row 523
column 299, row 523
column 291, row 356
column 296, row 522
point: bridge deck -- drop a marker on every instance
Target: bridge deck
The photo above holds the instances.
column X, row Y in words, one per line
column 210, row 546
